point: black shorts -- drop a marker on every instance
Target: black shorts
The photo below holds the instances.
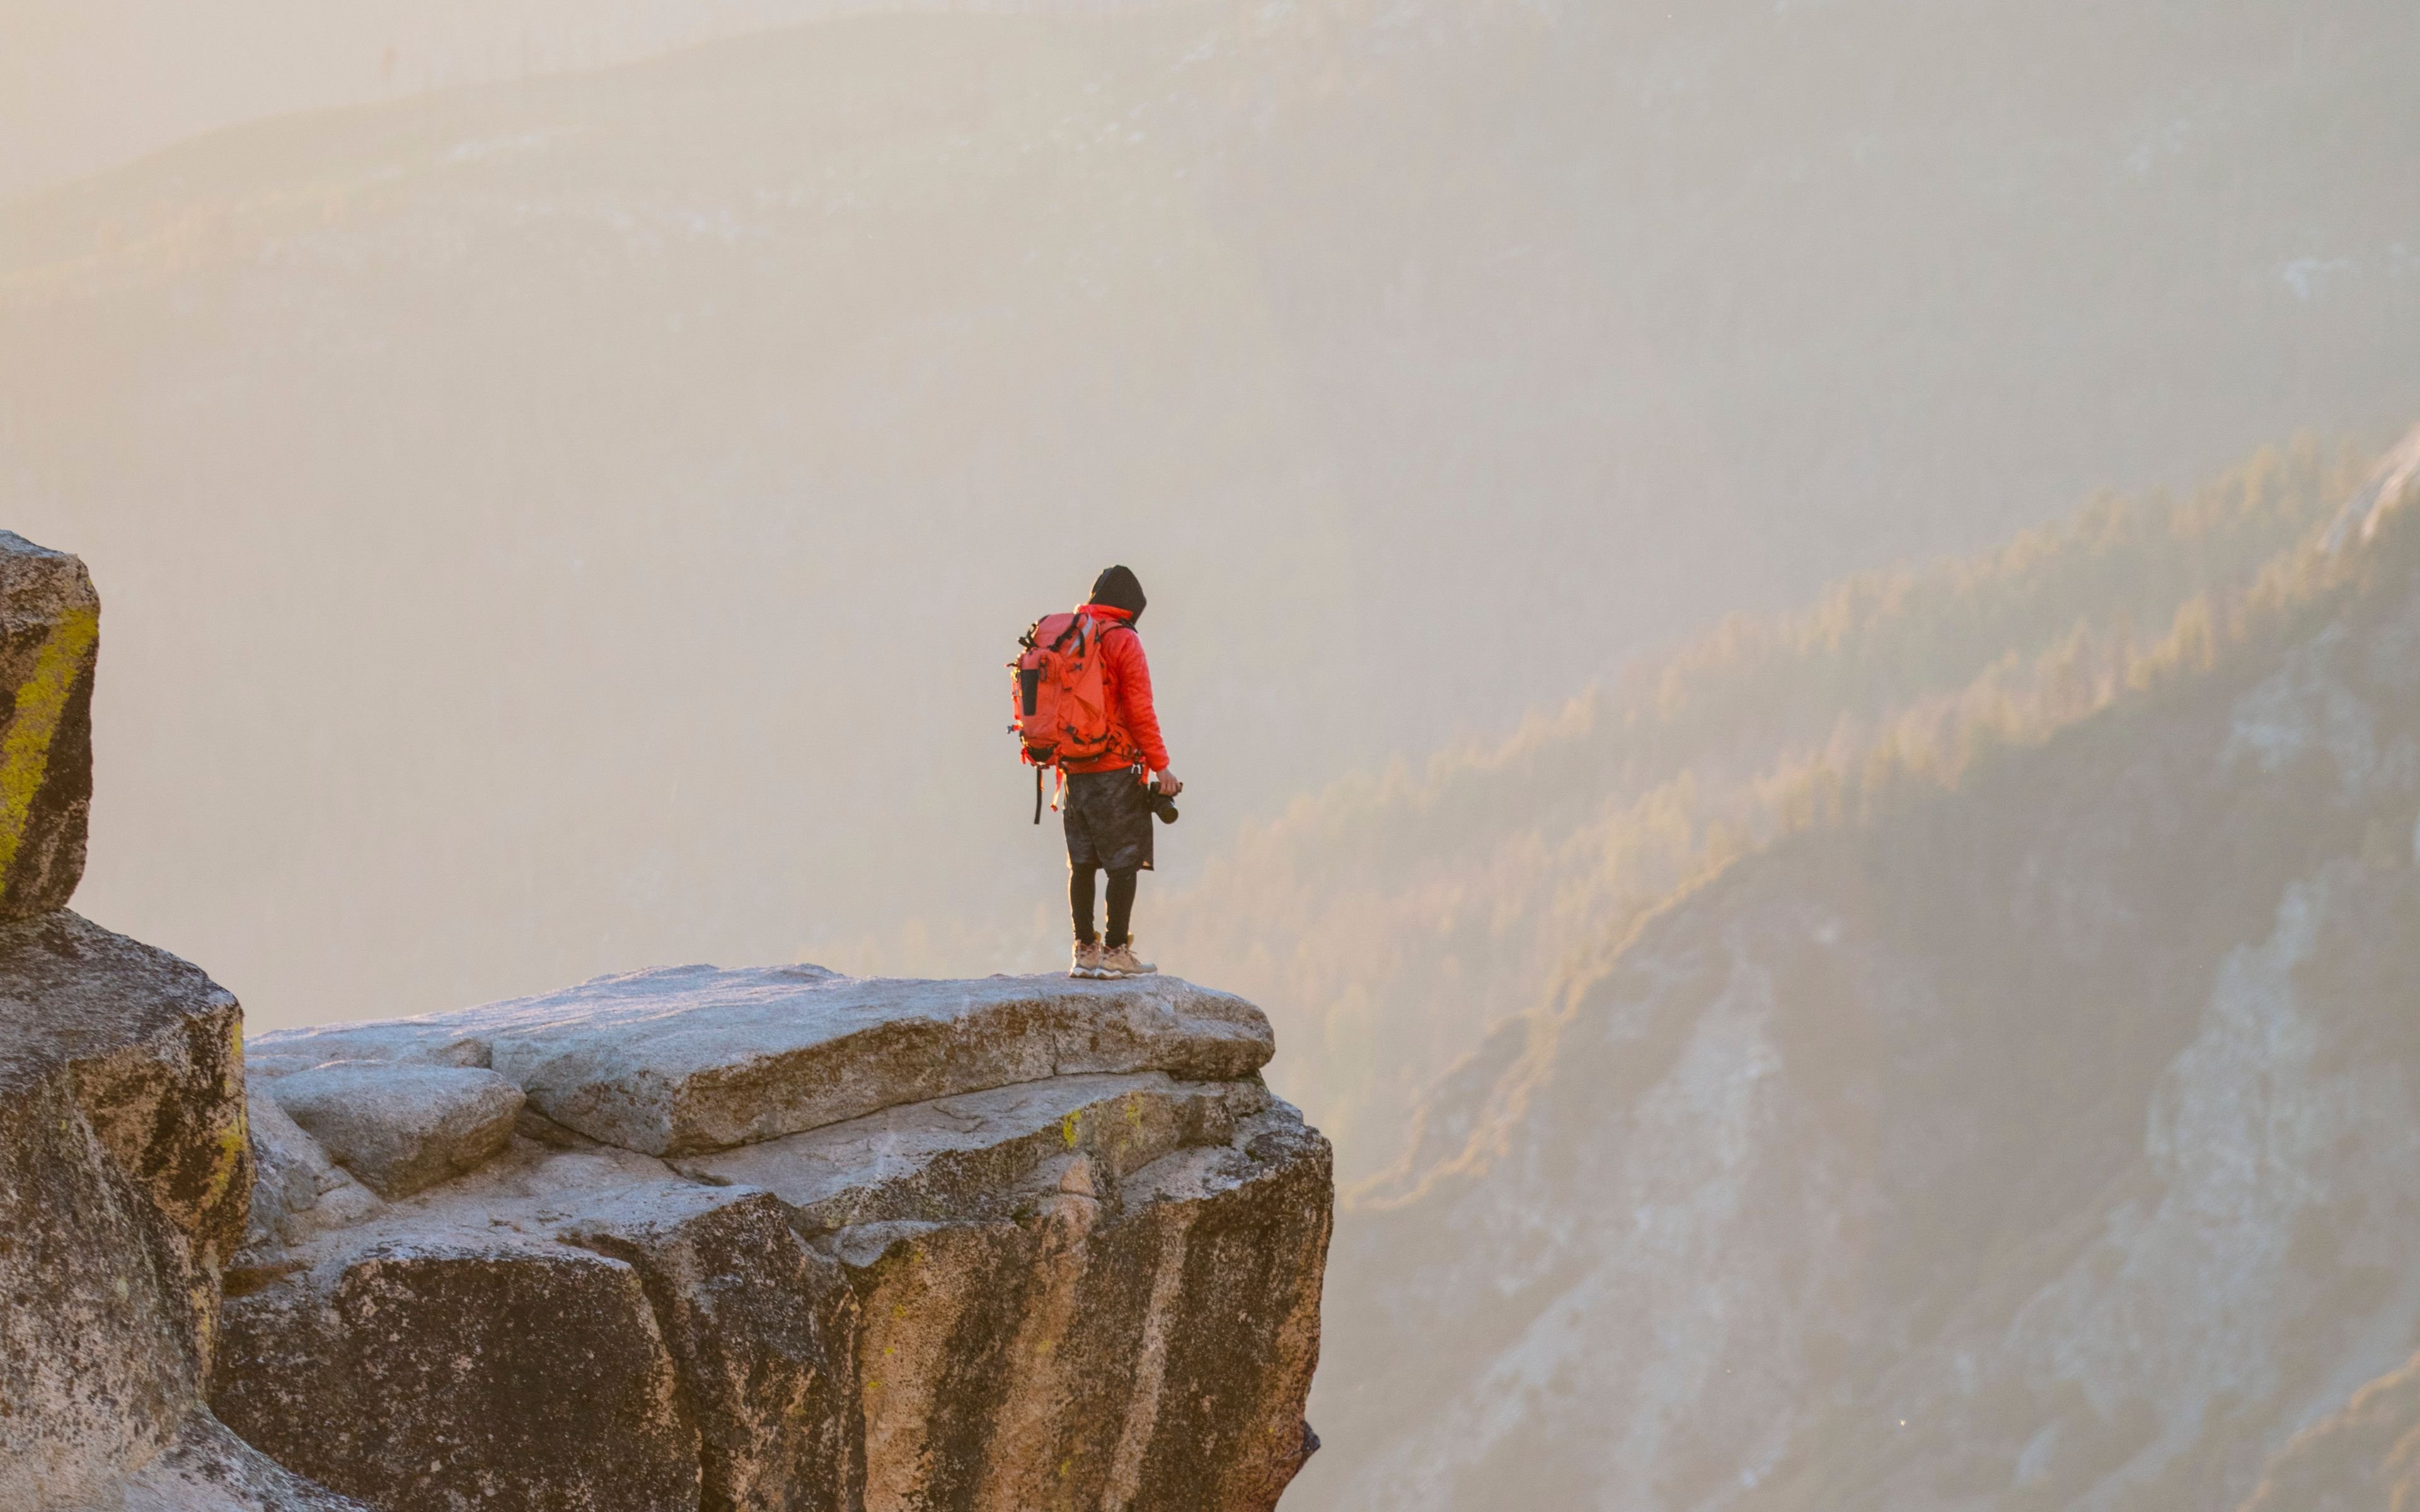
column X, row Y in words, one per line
column 1108, row 819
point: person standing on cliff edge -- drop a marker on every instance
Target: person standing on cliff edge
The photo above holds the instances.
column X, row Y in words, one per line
column 1107, row 811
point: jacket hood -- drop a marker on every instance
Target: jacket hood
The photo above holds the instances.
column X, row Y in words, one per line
column 1119, row 588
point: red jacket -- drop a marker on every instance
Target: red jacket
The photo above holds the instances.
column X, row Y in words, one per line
column 1126, row 680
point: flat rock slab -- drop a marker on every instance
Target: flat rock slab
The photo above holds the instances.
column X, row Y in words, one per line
column 402, row 1128
column 695, row 1058
column 939, row 1160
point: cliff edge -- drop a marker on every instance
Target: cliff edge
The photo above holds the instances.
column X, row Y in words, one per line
column 691, row 1239
column 783, row 1239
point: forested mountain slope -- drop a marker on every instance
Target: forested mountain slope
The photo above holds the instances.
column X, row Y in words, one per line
column 1391, row 921
column 2039, row 1140
column 519, row 485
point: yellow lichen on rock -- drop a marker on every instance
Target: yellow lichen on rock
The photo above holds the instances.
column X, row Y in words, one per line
column 50, row 639
column 41, row 698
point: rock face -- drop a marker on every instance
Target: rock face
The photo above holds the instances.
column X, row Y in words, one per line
column 784, row 1239
column 124, row 1169
column 49, row 638
column 1022, row 1243
column 1087, row 1274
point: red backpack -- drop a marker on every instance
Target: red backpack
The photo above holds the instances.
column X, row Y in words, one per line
column 1060, row 711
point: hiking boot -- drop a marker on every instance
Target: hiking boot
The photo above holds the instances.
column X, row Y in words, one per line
column 1088, row 960
column 1121, row 961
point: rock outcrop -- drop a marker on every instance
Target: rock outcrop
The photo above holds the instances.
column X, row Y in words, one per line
column 124, row 1170
column 124, row 1161
column 50, row 639
column 1085, row 1274
column 773, row 1240
column 784, row 1238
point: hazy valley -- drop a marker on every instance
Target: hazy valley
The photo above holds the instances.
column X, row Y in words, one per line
column 505, row 484
column 2041, row 1137
column 1835, row 844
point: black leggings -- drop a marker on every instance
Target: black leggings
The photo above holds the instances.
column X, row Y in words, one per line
column 1079, row 902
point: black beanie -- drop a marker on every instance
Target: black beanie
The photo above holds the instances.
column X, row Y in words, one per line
column 1119, row 588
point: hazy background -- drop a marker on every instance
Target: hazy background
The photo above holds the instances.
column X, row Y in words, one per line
column 568, row 524
column 555, row 518
column 90, row 87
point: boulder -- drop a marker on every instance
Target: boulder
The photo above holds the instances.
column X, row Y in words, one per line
column 49, row 638
column 401, row 1128
column 296, row 1189
column 464, row 1369
column 123, row 1174
column 693, row 1059
column 124, row 1171
column 96, row 1347
column 1047, row 1284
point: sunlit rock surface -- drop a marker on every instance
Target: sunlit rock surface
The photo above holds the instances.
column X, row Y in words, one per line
column 783, row 1239
column 691, row 1058
column 124, row 1169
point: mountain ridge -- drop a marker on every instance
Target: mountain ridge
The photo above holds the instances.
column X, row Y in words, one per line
column 1396, row 919
column 2032, row 1141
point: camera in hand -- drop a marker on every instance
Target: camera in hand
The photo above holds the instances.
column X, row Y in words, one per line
column 1160, row 803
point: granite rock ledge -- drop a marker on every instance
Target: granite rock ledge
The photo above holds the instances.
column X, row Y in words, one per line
column 781, row 1238
column 684, row 1240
